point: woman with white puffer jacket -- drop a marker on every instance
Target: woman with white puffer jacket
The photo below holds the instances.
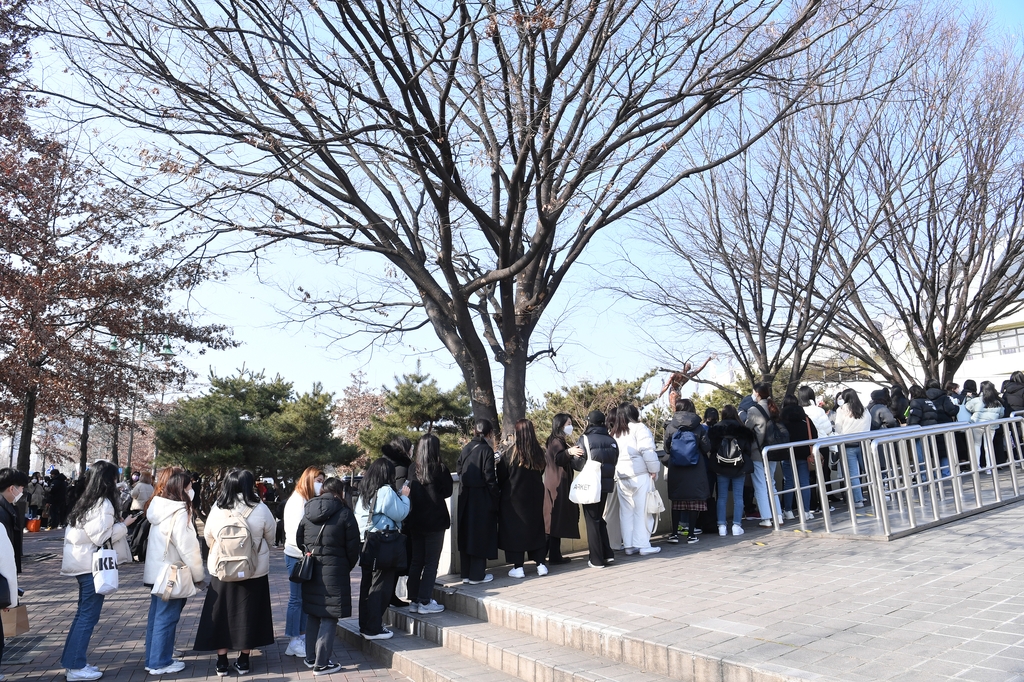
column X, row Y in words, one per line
column 172, row 539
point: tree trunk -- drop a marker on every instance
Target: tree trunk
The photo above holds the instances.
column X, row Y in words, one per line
column 513, row 404
column 83, row 445
column 27, row 425
column 113, row 448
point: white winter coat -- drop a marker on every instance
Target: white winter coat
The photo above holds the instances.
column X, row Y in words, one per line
column 981, row 413
column 262, row 525
column 637, row 453
column 820, row 419
column 846, row 423
column 8, row 569
column 172, row 538
column 293, row 510
column 80, row 542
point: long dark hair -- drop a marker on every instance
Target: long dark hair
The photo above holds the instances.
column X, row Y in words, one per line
column 100, row 484
column 237, row 482
column 336, row 487
column 851, row 399
column 730, row 412
column 380, row 473
column 428, row 459
column 711, row 416
column 806, row 396
column 990, row 395
column 175, row 490
column 558, row 423
column 626, row 413
column 526, row 451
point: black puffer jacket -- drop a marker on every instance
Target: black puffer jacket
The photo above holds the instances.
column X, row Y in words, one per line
column 687, row 483
column 881, row 415
column 946, row 409
column 1013, row 396
column 428, row 510
column 328, row 594
column 800, row 428
column 605, row 450
column 402, row 464
column 747, row 442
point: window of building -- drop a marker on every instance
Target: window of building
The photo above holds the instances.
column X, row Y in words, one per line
column 993, row 344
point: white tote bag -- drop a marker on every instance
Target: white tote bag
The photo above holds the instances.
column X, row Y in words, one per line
column 104, row 570
column 586, row 487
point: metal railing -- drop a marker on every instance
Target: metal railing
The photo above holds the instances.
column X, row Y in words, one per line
column 911, row 477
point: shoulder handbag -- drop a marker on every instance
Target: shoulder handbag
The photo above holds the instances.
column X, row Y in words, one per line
column 655, row 505
column 384, row 550
column 104, row 570
column 586, row 487
column 175, row 581
column 302, row 572
column 5, row 593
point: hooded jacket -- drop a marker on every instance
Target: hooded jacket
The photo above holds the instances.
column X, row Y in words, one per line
column 637, row 454
column 402, row 464
column 687, row 483
column 946, row 409
column 746, row 439
column 981, row 412
column 881, row 416
column 172, row 538
column 1013, row 396
column 328, row 593
column 605, row 450
column 96, row 527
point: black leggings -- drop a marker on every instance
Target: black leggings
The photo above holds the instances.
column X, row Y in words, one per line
column 517, row 559
column 691, row 519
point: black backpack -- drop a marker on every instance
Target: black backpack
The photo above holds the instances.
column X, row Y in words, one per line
column 774, row 432
column 140, row 538
column 730, row 453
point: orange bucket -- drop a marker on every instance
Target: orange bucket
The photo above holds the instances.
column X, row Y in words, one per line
column 33, row 525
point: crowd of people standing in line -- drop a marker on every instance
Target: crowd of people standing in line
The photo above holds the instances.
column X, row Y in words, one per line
column 516, row 499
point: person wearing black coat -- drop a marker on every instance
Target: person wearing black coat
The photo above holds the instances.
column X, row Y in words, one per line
column 687, row 485
column 430, row 485
column 598, row 445
column 1013, row 393
column 12, row 487
column 329, row 530
column 561, row 515
column 723, row 436
column 800, row 428
column 397, row 452
column 478, row 506
column 899, row 404
column 880, row 410
column 521, row 510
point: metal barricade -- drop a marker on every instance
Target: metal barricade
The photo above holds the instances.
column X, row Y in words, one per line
column 911, row 477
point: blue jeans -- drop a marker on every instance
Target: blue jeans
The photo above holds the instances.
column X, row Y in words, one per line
column 160, row 629
column 761, row 489
column 80, row 632
column 726, row 483
column 944, row 471
column 295, row 619
column 804, row 476
column 853, row 461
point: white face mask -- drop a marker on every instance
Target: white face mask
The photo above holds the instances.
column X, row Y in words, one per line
column 317, row 487
column 191, row 494
column 18, row 497
column 568, row 429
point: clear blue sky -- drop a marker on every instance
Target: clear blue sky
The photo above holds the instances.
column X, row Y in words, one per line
column 301, row 355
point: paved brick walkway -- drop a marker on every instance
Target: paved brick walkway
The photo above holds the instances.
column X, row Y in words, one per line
column 118, row 643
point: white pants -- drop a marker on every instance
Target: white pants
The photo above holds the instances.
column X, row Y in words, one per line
column 633, row 517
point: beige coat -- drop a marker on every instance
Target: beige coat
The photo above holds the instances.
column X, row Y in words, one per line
column 97, row 526
column 172, row 538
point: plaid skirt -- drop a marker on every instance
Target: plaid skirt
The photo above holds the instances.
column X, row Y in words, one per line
column 689, row 505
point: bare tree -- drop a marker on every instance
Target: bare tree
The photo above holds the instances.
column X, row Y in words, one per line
column 946, row 164
column 747, row 254
column 470, row 149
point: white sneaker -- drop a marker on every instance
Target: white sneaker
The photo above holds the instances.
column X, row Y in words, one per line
column 296, row 647
column 414, row 606
column 788, row 516
column 542, row 569
column 175, row 667
column 487, row 578
column 765, row 523
column 722, row 530
column 432, row 607
column 808, row 516
column 737, row 529
column 517, row 573
column 593, row 565
column 644, row 551
column 83, row 674
column 630, row 551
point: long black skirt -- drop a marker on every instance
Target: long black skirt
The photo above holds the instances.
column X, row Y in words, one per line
column 236, row 616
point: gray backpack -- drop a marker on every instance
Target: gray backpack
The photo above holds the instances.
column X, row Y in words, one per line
column 236, row 550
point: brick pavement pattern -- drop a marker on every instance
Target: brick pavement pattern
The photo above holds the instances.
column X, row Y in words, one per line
column 118, row 642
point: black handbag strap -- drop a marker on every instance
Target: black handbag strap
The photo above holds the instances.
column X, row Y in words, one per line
column 317, row 541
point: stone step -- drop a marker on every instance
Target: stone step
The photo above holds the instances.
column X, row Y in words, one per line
column 523, row 656
column 660, row 656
